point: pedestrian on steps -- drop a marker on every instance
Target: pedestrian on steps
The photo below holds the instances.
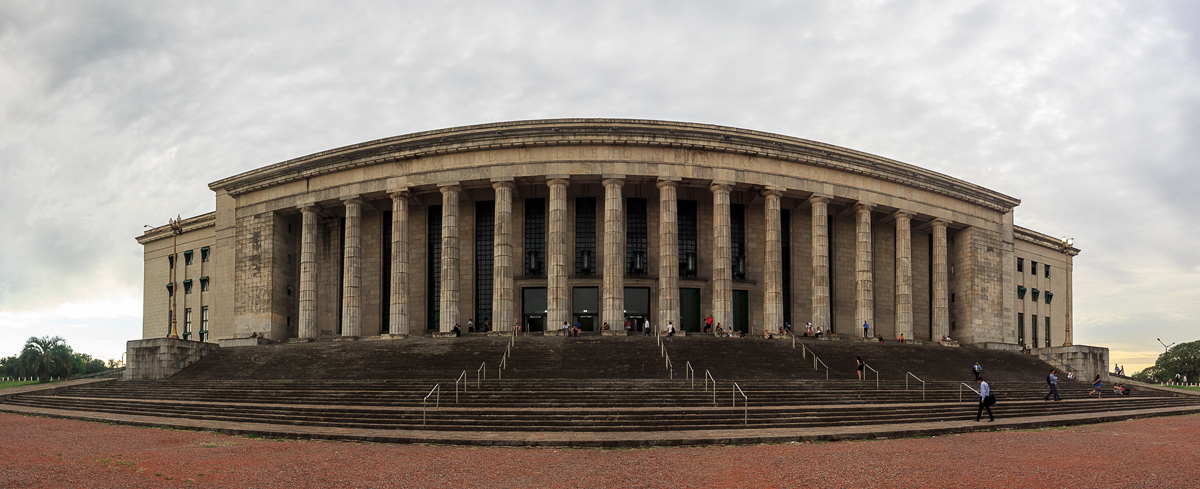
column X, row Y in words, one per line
column 860, row 367
column 1052, row 379
column 986, row 400
column 977, row 370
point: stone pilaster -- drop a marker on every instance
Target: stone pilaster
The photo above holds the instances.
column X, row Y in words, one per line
column 556, row 256
column 308, row 272
column 904, row 277
column 448, row 302
column 503, row 293
column 820, row 260
column 613, row 295
column 722, row 281
column 864, row 277
column 352, row 278
column 773, row 262
column 941, row 288
column 398, row 321
column 668, row 253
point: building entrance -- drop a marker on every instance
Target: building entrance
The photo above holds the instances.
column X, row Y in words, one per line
column 741, row 311
column 637, row 306
column 533, row 308
column 586, row 306
column 689, row 310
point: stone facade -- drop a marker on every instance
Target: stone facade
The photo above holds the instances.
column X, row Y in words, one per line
column 382, row 238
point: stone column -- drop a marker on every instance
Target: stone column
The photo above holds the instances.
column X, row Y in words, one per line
column 820, row 260
column 308, row 272
column 668, row 254
column 351, row 301
column 448, row 302
column 503, row 293
column 613, row 308
column 398, row 320
column 941, row 293
column 864, row 276
column 773, row 262
column 904, row 297
column 722, row 258
column 556, row 256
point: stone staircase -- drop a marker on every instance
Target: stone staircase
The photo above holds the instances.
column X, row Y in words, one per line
column 617, row 385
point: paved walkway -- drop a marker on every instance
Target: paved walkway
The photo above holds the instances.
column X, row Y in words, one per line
column 52, row 453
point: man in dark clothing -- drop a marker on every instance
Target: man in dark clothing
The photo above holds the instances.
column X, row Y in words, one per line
column 1052, row 379
column 985, row 400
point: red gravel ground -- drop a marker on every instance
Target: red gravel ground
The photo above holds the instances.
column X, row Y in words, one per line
column 42, row 452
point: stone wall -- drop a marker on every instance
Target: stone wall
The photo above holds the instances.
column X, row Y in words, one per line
column 162, row 358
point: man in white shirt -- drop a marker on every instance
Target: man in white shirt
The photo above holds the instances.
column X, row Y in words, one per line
column 985, row 400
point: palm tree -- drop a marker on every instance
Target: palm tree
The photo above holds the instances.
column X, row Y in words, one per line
column 40, row 355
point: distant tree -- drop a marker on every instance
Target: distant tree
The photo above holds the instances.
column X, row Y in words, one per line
column 1151, row 374
column 46, row 355
column 10, row 366
column 1182, row 359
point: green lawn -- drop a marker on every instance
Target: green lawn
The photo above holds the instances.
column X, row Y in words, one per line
column 1190, row 388
column 14, row 383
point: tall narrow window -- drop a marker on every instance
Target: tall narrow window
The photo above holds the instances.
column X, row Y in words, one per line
column 485, row 239
column 535, row 237
column 1020, row 328
column 434, row 285
column 637, row 262
column 170, row 261
column 187, row 323
column 1033, row 330
column 689, row 260
column 1033, row 268
column 187, row 286
column 1047, row 331
column 204, row 323
column 187, row 257
column 204, row 253
column 203, row 284
column 737, row 225
column 1046, row 268
column 1020, row 264
column 585, row 236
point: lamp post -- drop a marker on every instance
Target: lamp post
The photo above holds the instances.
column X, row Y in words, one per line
column 1067, row 243
column 176, row 229
column 1166, row 347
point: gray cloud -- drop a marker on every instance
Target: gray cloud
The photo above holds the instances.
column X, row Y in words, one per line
column 116, row 114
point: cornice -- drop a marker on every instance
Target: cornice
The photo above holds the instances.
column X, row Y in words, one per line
column 1030, row 236
column 190, row 224
column 629, row 132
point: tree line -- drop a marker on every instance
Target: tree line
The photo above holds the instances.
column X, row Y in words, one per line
column 1182, row 360
column 51, row 356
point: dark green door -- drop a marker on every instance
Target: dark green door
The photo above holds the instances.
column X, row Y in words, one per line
column 741, row 311
column 689, row 310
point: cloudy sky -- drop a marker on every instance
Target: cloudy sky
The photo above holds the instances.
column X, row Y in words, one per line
column 114, row 115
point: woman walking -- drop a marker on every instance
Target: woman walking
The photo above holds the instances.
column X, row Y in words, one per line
column 860, row 367
column 1096, row 385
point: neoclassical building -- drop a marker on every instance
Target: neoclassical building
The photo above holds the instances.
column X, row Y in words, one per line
column 603, row 221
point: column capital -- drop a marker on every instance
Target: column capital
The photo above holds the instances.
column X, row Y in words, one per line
column 503, row 184
column 902, row 214
column 558, row 181
column 819, row 199
column 863, row 206
column 399, row 194
column 450, row 187
column 309, row 207
column 940, row 223
column 772, row 192
column 353, row 199
column 666, row 183
column 720, row 187
column 614, row 182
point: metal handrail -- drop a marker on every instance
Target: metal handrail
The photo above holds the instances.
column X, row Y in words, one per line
column 437, row 401
column 707, row 377
column 822, row 362
column 691, row 374
column 745, row 404
column 910, row 374
column 461, row 378
column 964, row 384
column 480, row 375
column 670, row 367
column 876, row 374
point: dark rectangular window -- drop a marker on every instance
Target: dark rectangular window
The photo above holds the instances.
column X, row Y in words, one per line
column 1033, row 268
column 535, row 237
column 1020, row 264
column 187, row 257
column 1034, row 294
column 785, row 236
column 737, row 225
column 187, row 286
column 585, row 236
column 187, row 323
column 637, row 262
column 1021, row 328
column 1046, row 268
column 434, row 274
column 204, row 253
column 1033, row 330
column 204, row 323
column 170, row 261
column 1047, row 331
column 689, row 256
column 485, row 240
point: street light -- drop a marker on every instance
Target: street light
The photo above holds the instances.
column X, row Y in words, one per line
column 1067, row 244
column 176, row 229
column 1166, row 347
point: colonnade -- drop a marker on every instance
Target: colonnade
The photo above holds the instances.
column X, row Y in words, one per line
column 612, row 293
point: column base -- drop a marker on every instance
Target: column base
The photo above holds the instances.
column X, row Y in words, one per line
column 613, row 332
column 299, row 340
column 345, row 338
column 388, row 336
column 951, row 343
column 442, row 334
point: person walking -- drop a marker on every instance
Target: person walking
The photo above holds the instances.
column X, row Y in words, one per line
column 646, row 329
column 977, row 370
column 1096, row 385
column 808, row 332
column 670, row 329
column 708, row 324
column 859, row 368
column 866, row 329
column 985, row 400
column 1052, row 379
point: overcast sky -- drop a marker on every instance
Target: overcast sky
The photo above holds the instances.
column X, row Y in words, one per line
column 114, row 115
